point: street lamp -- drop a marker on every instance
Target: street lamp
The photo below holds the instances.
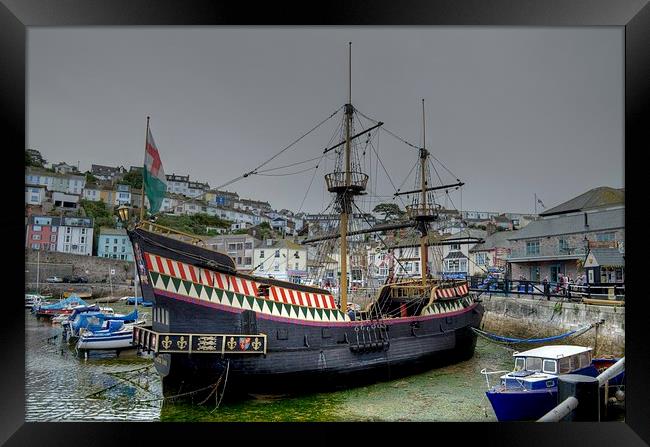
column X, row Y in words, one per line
column 123, row 213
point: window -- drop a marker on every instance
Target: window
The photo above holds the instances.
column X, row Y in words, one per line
column 550, row 366
column 123, row 249
column 82, row 240
column 566, row 365
column 240, row 246
column 36, row 246
column 232, row 247
column 68, row 230
column 296, row 266
column 481, row 258
column 248, row 260
column 533, row 364
column 121, row 256
column 520, row 363
column 36, row 227
column 532, row 247
column 604, row 237
column 564, row 246
column 106, row 248
column 115, row 241
column 276, row 267
column 67, row 238
column 248, row 245
column 277, row 253
column 583, row 360
column 83, row 231
column 36, row 237
column 53, row 229
column 262, row 254
column 53, row 238
column 454, row 247
column 114, row 249
column 66, row 248
column 239, row 260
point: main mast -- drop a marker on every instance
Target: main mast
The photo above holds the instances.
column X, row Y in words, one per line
column 343, row 287
column 346, row 184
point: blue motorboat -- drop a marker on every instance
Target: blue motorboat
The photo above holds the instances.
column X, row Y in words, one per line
column 138, row 300
column 65, row 306
column 114, row 335
column 93, row 321
column 531, row 390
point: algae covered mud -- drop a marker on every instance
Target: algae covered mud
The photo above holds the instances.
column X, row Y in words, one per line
column 59, row 386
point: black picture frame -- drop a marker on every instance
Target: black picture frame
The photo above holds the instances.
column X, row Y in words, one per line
column 17, row 15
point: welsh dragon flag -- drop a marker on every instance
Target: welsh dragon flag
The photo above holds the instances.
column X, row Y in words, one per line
column 155, row 182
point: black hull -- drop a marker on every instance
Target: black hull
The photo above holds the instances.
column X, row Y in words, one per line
column 187, row 373
column 299, row 355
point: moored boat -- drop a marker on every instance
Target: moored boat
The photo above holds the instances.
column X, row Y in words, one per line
column 531, row 390
column 113, row 335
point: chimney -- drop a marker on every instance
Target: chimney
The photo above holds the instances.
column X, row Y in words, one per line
column 491, row 228
column 586, row 221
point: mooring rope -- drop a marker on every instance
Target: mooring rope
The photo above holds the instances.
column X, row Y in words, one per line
column 509, row 340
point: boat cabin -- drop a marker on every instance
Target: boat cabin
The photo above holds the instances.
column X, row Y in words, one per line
column 538, row 368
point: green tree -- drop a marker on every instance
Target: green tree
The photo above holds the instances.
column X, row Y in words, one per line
column 102, row 216
column 389, row 210
column 90, row 178
column 196, row 224
column 133, row 178
column 34, row 158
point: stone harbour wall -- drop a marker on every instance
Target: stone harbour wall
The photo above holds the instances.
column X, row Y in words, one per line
column 528, row 318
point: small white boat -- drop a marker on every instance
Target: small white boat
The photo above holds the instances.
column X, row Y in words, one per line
column 115, row 335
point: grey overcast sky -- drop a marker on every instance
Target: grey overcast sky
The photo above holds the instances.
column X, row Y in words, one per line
column 512, row 112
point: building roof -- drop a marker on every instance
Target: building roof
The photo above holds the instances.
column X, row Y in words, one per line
column 552, row 352
column 600, row 197
column 455, row 255
column 106, row 231
column 495, row 240
column 599, row 220
column 282, row 243
column 607, row 257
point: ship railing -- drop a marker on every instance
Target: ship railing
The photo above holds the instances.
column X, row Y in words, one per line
column 157, row 228
column 421, row 210
column 487, row 375
column 337, row 181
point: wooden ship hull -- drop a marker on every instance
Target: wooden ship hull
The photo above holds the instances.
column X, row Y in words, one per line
column 269, row 335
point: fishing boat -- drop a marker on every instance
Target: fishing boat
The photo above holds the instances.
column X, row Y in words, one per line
column 133, row 299
column 35, row 299
column 65, row 307
column 531, row 389
column 92, row 320
column 265, row 334
column 113, row 335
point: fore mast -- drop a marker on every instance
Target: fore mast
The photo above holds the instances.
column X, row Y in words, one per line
column 346, row 184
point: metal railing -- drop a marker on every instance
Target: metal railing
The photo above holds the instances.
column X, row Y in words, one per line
column 547, row 289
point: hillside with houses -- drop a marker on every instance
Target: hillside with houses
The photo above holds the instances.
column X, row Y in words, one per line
column 74, row 212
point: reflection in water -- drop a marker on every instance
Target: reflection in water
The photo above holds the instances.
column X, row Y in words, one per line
column 63, row 387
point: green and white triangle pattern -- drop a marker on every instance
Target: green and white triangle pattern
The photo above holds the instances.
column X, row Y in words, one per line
column 443, row 307
column 239, row 301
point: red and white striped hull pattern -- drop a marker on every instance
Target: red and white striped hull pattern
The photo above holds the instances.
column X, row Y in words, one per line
column 208, row 278
column 451, row 292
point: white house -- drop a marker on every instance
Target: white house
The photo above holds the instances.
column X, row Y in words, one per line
column 92, row 193
column 281, row 259
column 34, row 194
column 75, row 235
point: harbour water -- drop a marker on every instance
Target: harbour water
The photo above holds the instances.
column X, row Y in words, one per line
column 60, row 386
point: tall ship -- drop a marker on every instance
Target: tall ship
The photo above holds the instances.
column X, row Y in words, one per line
column 260, row 334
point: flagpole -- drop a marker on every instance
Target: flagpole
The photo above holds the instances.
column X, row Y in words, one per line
column 146, row 139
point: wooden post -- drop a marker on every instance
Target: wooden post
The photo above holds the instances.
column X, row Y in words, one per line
column 146, row 140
